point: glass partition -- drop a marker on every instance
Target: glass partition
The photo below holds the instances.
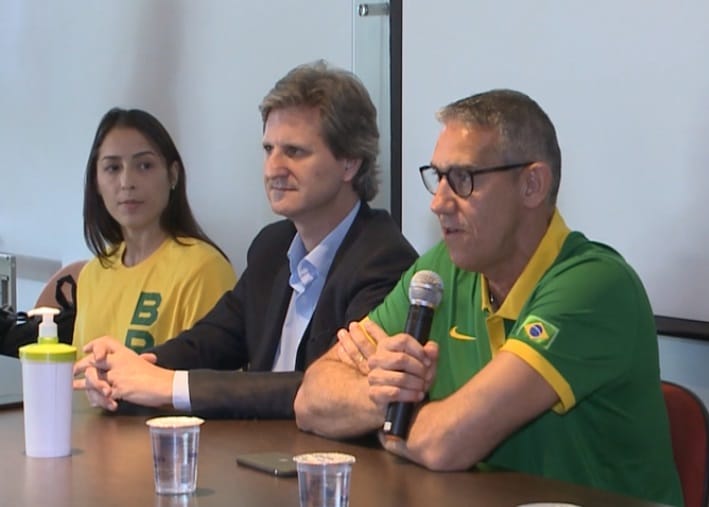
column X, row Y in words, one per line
column 370, row 60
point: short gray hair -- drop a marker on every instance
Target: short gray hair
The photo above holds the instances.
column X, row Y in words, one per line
column 525, row 132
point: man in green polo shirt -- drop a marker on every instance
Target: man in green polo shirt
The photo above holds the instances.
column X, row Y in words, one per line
column 543, row 352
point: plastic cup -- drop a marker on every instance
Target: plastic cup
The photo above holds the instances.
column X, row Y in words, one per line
column 324, row 479
column 175, row 442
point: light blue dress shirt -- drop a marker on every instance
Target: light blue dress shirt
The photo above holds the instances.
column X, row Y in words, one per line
column 308, row 271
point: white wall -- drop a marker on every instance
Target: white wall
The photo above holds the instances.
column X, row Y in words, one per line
column 627, row 86
column 201, row 67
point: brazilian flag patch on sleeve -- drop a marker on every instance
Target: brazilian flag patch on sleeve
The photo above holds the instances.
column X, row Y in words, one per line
column 539, row 330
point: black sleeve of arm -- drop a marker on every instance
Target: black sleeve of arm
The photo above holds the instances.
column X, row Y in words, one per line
column 240, row 395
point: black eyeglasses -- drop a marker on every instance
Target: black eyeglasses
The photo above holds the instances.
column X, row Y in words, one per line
column 460, row 178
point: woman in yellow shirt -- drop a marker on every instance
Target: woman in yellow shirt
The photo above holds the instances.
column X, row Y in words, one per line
column 155, row 271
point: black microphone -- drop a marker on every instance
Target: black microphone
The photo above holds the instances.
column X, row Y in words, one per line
column 425, row 293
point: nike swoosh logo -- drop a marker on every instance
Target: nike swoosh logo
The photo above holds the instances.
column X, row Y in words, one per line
column 458, row 336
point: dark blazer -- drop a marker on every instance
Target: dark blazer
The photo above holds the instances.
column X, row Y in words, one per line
column 243, row 330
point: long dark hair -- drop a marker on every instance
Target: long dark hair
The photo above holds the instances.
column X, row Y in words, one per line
column 102, row 233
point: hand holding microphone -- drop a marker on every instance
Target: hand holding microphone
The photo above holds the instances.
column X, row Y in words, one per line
column 425, row 293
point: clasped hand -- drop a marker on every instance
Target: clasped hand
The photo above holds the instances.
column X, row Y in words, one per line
column 398, row 367
column 110, row 372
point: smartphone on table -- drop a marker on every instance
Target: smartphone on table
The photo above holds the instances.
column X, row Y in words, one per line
column 276, row 463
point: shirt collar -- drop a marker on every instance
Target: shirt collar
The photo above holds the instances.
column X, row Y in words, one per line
column 307, row 266
column 544, row 256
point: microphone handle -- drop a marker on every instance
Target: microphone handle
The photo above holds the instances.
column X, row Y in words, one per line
column 418, row 322
column 399, row 413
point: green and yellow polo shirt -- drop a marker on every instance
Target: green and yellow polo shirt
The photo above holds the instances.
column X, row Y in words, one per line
column 580, row 317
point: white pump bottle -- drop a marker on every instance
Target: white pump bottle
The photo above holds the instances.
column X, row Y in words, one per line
column 47, row 390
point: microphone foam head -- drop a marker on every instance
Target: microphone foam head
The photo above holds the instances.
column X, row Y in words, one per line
column 426, row 289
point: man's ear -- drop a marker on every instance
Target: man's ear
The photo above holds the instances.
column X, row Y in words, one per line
column 351, row 166
column 536, row 184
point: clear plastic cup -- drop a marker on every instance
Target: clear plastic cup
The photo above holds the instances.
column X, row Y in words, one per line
column 175, row 442
column 324, row 479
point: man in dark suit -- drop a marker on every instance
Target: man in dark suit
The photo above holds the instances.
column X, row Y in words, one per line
column 331, row 261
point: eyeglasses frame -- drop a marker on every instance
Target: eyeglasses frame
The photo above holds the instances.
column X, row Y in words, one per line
column 470, row 171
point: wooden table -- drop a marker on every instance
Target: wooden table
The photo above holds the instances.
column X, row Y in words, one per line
column 111, row 464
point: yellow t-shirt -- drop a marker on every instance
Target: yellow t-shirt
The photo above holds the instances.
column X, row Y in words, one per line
column 146, row 304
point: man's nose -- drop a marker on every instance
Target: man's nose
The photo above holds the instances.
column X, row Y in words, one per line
column 444, row 197
column 274, row 163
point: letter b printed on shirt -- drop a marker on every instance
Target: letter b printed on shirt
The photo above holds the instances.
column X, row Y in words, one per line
column 146, row 310
column 145, row 314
